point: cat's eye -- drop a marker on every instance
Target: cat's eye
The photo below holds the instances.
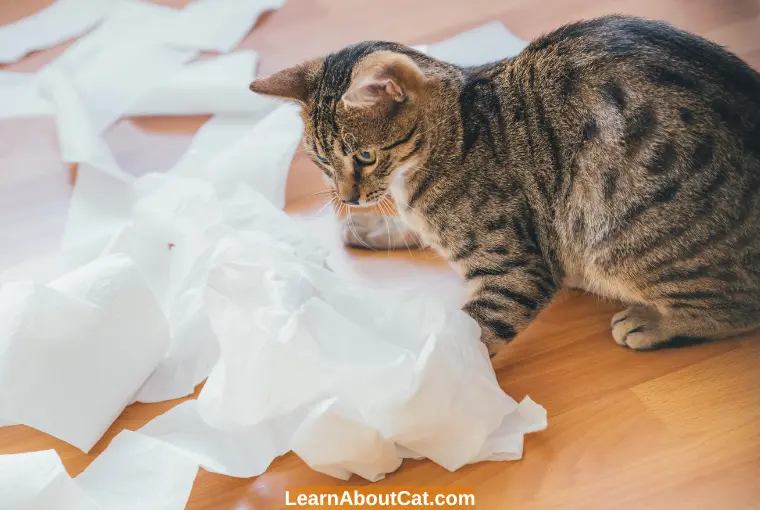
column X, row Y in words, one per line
column 321, row 159
column 365, row 157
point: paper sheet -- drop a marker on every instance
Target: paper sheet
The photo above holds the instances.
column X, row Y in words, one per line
column 137, row 472
column 61, row 21
column 38, row 480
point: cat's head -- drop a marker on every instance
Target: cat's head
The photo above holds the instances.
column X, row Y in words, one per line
column 363, row 110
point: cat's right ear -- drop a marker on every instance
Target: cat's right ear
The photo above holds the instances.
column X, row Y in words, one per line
column 384, row 79
column 291, row 84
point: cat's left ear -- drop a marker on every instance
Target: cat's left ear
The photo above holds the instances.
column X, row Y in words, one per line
column 292, row 84
column 384, row 78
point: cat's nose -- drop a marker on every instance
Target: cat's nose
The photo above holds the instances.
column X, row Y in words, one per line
column 351, row 200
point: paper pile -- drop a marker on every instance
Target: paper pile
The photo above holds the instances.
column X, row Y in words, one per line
column 195, row 274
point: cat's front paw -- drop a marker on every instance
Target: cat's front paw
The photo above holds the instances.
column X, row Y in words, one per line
column 372, row 231
column 638, row 328
column 494, row 344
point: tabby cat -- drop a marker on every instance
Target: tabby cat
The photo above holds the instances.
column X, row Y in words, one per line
column 617, row 155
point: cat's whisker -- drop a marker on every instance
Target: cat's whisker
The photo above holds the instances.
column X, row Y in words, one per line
column 381, row 205
column 390, row 204
column 323, row 192
column 385, row 205
column 326, row 204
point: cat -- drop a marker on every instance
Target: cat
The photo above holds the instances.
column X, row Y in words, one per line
column 618, row 155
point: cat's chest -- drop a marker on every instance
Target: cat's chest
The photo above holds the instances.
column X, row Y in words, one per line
column 411, row 217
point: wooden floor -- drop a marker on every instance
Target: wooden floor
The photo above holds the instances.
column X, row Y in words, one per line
column 662, row 430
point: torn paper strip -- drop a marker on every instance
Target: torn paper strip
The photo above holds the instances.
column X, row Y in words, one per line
column 23, row 98
column 129, row 20
column 481, row 45
column 116, row 65
column 38, row 480
column 217, row 86
column 79, row 140
column 137, row 472
column 101, row 205
column 59, row 22
column 216, row 25
column 116, row 78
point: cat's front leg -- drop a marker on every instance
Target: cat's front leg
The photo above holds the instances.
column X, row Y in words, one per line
column 506, row 296
column 370, row 230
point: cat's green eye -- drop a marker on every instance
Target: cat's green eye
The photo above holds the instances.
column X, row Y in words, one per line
column 321, row 159
column 365, row 157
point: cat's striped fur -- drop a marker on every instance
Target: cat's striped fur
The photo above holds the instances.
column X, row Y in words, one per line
column 618, row 155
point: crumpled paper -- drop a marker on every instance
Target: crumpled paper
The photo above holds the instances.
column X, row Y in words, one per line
column 195, row 274
column 243, row 453
column 259, row 156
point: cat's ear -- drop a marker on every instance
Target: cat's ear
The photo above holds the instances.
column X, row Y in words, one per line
column 382, row 79
column 291, row 84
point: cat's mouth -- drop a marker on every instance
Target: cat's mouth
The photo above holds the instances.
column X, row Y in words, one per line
column 374, row 198
column 363, row 200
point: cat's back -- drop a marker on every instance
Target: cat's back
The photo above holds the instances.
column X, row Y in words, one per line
column 653, row 50
column 656, row 139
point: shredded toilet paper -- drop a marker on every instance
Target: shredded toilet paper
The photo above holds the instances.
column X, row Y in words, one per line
column 196, row 273
column 138, row 60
